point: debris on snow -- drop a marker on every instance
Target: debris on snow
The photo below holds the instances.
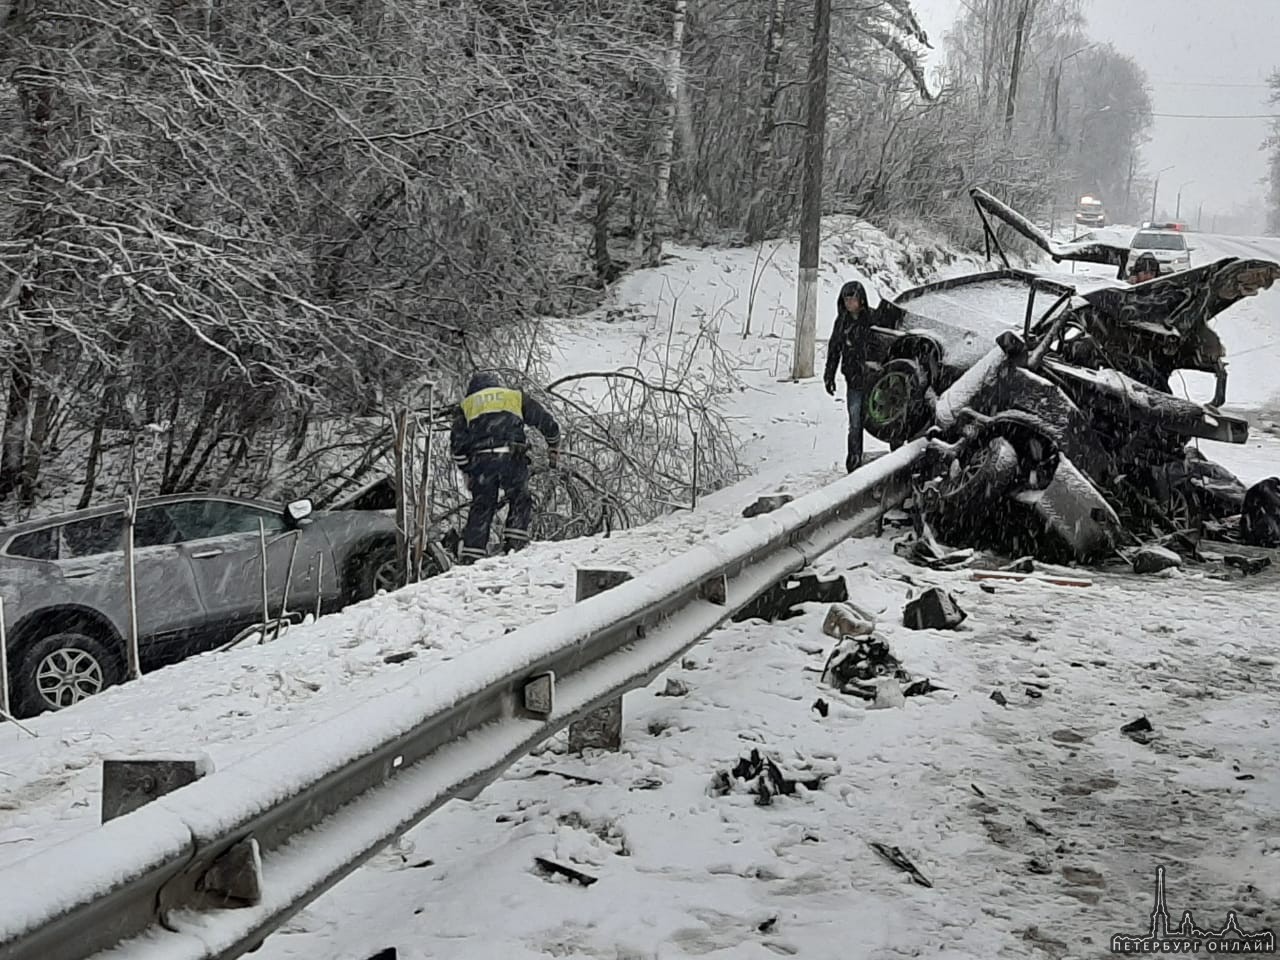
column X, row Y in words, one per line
column 1249, row 566
column 577, row 876
column 1153, row 559
column 822, row 707
column 857, row 664
column 576, row 778
column 1021, row 565
column 780, row 601
column 765, row 777
column 847, row 620
column 935, row 609
column 767, row 505
column 888, row 694
column 999, row 698
column 926, row 552
column 1139, row 730
column 674, row 688
column 393, row 658
column 900, row 860
column 1055, row 579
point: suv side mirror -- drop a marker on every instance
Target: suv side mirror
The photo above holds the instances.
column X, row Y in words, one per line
column 298, row 511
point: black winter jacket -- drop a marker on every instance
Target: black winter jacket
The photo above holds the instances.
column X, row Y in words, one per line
column 492, row 416
column 849, row 347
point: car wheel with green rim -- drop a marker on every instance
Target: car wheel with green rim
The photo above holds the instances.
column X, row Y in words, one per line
column 896, row 404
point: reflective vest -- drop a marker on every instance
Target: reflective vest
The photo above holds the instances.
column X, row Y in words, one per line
column 493, row 400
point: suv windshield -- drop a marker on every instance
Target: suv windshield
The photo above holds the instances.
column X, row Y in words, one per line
column 1159, row 241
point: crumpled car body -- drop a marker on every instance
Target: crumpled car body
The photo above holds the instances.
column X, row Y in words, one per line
column 1047, row 403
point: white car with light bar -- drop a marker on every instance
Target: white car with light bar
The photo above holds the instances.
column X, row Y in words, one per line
column 1169, row 247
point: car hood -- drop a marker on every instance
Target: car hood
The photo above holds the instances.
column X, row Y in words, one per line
column 1091, row 251
column 1181, row 300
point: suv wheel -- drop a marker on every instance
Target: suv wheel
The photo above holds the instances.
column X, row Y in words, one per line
column 63, row 667
column 379, row 569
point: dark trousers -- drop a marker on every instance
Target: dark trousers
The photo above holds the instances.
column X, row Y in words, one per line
column 853, row 399
column 490, row 476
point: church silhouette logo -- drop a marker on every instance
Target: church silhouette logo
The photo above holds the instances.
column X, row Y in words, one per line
column 1188, row 937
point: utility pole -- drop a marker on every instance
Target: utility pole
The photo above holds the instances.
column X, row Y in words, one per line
column 1200, row 217
column 1155, row 192
column 1177, row 210
column 811, row 196
column 1056, row 80
column 1128, row 186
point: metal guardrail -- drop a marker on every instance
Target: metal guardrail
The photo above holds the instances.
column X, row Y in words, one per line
column 313, row 808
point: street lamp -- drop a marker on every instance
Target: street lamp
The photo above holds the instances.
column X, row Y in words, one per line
column 1057, row 80
column 1177, row 210
column 1155, row 191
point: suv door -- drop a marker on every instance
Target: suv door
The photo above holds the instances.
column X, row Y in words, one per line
column 221, row 539
column 91, row 558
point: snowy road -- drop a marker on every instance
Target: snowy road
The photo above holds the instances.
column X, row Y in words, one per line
column 1058, row 855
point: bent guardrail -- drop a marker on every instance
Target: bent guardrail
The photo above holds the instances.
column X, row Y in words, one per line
column 307, row 811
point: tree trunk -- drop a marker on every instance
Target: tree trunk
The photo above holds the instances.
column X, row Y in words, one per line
column 606, row 192
column 43, row 408
column 1015, row 68
column 811, row 201
column 17, row 414
column 91, row 466
column 35, row 106
column 662, row 219
column 762, row 150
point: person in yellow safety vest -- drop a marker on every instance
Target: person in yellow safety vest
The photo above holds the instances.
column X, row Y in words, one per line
column 488, row 444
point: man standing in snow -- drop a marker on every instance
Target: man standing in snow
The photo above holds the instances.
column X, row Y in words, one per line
column 847, row 350
column 488, row 444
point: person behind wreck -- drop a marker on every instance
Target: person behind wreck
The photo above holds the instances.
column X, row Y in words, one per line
column 1145, row 268
column 847, row 350
column 489, row 445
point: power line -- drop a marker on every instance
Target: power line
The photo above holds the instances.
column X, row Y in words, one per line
column 1208, row 83
column 1217, row 116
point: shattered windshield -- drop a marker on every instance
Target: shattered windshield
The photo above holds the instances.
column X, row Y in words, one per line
column 988, row 308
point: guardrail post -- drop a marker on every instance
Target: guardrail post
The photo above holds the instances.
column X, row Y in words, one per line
column 128, row 784
column 602, row 728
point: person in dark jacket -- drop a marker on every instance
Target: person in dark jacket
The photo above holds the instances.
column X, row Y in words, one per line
column 1145, row 268
column 847, row 351
column 488, row 444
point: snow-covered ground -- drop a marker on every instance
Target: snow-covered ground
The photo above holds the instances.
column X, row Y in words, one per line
column 683, row 873
column 1056, row 854
column 232, row 704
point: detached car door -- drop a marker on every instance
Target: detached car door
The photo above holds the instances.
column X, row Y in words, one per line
column 221, row 540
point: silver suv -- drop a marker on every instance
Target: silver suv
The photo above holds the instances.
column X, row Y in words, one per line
column 198, row 582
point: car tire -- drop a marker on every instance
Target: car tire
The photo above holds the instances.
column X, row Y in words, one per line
column 897, row 406
column 1183, row 511
column 63, row 663
column 983, row 476
column 377, row 569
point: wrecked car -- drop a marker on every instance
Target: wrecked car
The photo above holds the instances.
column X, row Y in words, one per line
column 1047, row 402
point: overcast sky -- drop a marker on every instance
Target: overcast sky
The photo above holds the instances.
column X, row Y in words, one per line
column 1202, row 57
